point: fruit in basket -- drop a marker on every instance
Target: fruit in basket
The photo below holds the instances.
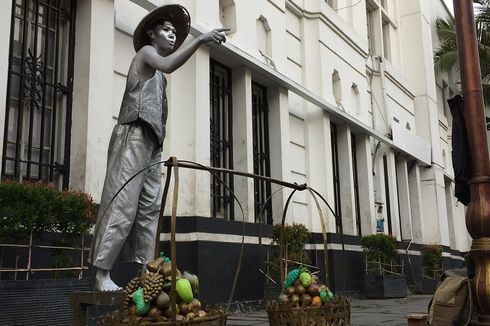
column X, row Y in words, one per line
column 162, row 301
column 185, row 308
column 294, row 300
column 184, row 289
column 292, row 277
column 196, row 305
column 193, row 279
column 290, row 290
column 283, row 297
column 152, row 285
column 314, row 290
column 305, row 279
column 305, row 300
column 316, row 301
column 168, row 312
column 154, row 312
column 129, row 290
column 142, row 307
column 166, row 269
column 323, row 295
column 299, row 290
column 314, row 279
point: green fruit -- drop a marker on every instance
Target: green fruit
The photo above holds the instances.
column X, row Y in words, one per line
column 323, row 295
column 184, row 289
column 138, row 298
column 305, row 279
column 329, row 295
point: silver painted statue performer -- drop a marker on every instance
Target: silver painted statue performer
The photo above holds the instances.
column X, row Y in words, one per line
column 129, row 225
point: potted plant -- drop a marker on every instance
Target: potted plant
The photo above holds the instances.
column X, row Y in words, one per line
column 384, row 276
column 296, row 236
column 431, row 267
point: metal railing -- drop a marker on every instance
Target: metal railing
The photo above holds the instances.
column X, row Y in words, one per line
column 28, row 268
column 383, row 268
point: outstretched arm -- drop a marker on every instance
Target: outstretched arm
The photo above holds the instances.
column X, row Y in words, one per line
column 172, row 62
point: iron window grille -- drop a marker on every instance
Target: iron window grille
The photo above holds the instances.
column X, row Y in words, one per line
column 261, row 154
column 39, row 91
column 221, row 142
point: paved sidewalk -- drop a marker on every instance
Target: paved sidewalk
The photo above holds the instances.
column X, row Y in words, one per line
column 388, row 312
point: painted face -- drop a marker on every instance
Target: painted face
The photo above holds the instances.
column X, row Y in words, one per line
column 163, row 36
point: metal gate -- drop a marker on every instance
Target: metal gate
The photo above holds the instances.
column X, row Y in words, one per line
column 39, row 91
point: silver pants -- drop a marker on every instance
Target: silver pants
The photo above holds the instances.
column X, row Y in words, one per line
column 130, row 223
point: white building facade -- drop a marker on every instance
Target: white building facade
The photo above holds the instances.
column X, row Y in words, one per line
column 338, row 94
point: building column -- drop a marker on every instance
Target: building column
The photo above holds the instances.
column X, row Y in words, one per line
column 277, row 98
column 188, row 133
column 404, row 200
column 434, row 217
column 318, row 163
column 92, row 94
column 243, row 141
column 416, row 200
column 5, row 21
column 365, row 184
column 347, row 198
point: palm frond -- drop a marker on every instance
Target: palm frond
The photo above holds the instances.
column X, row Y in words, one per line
column 446, row 30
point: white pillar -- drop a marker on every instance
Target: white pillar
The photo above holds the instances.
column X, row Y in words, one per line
column 243, row 141
column 404, row 199
column 365, row 184
column 92, row 95
column 279, row 146
column 346, row 179
column 416, row 205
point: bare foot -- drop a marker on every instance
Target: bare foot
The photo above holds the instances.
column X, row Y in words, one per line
column 103, row 281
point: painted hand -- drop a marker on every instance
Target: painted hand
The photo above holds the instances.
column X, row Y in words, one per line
column 215, row 36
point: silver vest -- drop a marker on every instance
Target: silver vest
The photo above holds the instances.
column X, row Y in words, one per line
column 146, row 101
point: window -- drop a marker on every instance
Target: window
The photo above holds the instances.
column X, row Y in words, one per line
column 336, row 176
column 356, row 105
column 264, row 36
column 370, row 33
column 357, row 209
column 336, row 87
column 39, row 92
column 221, row 140
column 260, row 121
column 227, row 14
column 386, row 40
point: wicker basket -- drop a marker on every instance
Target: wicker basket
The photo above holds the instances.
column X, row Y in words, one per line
column 217, row 318
column 335, row 313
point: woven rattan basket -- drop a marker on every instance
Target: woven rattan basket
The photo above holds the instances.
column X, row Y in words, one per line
column 217, row 318
column 333, row 313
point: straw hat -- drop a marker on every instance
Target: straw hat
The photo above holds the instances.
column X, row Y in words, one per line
column 176, row 14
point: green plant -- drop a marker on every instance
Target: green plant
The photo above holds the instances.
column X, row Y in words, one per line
column 296, row 236
column 27, row 207
column 379, row 248
column 432, row 260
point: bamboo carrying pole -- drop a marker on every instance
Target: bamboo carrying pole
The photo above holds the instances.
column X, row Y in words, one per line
column 478, row 212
